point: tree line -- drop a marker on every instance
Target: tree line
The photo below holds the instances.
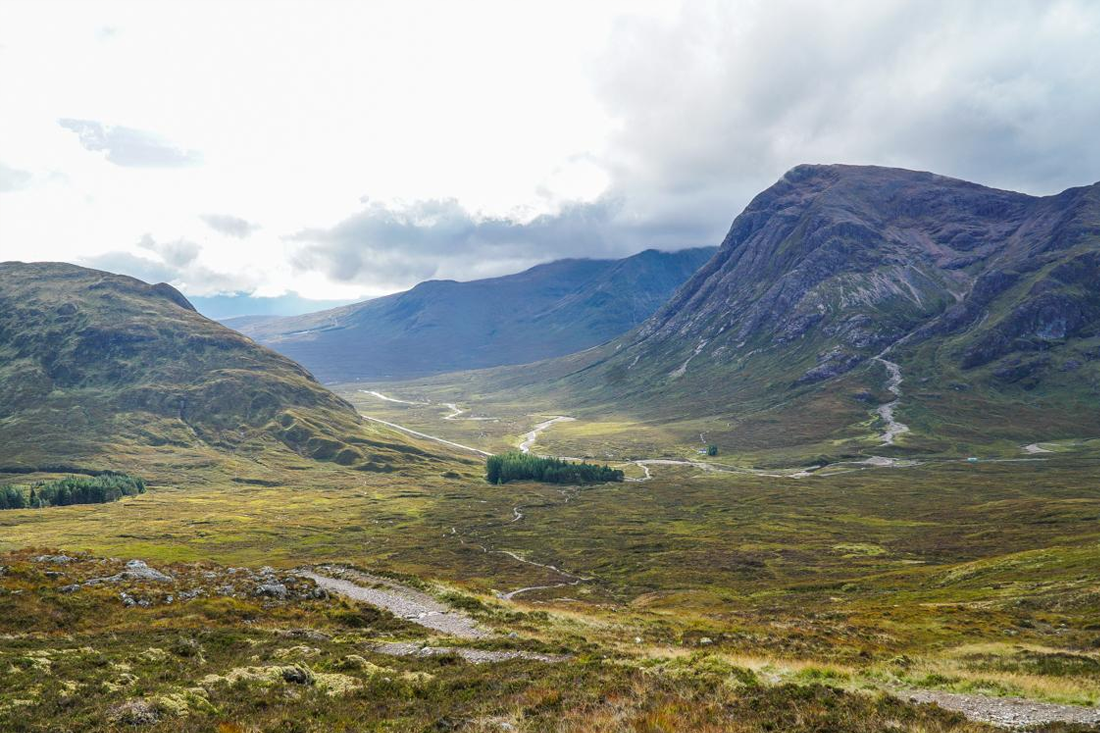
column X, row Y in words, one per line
column 516, row 466
column 71, row 490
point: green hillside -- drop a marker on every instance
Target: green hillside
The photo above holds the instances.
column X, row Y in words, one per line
column 98, row 370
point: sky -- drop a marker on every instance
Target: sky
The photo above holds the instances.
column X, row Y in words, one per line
column 342, row 150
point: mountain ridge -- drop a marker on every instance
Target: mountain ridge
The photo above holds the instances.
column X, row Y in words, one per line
column 445, row 325
column 986, row 298
column 971, row 245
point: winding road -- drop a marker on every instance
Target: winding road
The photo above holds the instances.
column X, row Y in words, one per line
column 531, row 438
column 529, row 442
column 894, row 428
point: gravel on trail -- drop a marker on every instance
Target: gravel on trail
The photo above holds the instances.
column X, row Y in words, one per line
column 398, row 599
column 1012, row 713
column 475, row 656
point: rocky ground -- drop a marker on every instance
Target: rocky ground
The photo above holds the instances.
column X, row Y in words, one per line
column 139, row 584
column 1008, row 712
column 476, row 656
column 161, row 643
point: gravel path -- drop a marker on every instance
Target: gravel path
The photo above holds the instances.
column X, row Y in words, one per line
column 476, row 656
column 381, row 396
column 513, row 593
column 398, row 599
column 418, row 434
column 526, row 445
column 1007, row 712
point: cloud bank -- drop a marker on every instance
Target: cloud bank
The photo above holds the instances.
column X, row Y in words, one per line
column 716, row 105
column 381, row 245
column 128, row 147
column 230, row 226
column 176, row 262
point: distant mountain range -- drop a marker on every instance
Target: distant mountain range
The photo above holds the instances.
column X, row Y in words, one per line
column 442, row 325
column 987, row 301
column 97, row 369
column 222, row 307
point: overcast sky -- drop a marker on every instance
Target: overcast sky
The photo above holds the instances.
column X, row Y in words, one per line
column 342, row 150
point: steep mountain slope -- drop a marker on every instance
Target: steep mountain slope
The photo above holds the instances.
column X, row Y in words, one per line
column 93, row 365
column 441, row 326
column 986, row 302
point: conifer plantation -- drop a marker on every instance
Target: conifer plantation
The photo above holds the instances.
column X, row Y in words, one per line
column 516, row 466
column 71, row 490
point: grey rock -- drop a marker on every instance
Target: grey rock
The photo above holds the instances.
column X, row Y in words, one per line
column 135, row 570
column 830, row 364
column 272, row 590
column 56, row 559
column 138, row 570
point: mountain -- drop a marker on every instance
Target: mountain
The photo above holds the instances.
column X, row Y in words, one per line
column 242, row 305
column 96, row 367
column 443, row 325
column 985, row 303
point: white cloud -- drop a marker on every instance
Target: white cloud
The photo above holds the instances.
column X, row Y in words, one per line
column 231, row 226
column 179, row 253
column 126, row 146
column 491, row 135
column 716, row 105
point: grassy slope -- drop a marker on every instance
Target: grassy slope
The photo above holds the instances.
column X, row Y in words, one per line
column 104, row 371
column 175, row 660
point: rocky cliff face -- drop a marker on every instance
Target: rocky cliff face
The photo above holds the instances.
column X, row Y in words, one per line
column 864, row 257
column 836, row 264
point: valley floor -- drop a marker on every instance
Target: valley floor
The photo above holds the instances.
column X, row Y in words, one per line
column 707, row 594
